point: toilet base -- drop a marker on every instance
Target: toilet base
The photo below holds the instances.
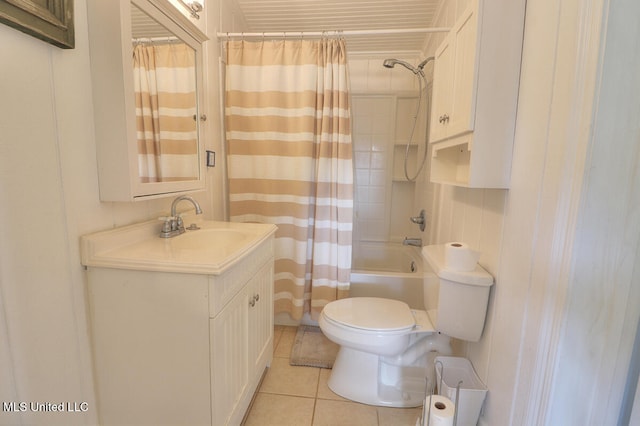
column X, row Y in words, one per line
column 368, row 379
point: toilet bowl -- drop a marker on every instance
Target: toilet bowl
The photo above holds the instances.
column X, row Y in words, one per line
column 371, row 324
column 383, row 346
column 387, row 349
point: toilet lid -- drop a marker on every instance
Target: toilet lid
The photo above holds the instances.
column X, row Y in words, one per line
column 371, row 313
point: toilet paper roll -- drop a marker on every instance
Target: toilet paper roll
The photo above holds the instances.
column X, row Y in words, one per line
column 460, row 257
column 440, row 410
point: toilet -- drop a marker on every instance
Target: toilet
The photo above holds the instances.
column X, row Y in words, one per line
column 387, row 349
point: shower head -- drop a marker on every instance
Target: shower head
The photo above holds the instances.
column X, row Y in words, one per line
column 390, row 63
column 425, row 62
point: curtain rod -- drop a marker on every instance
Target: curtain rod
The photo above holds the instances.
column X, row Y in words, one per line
column 284, row 34
column 169, row 39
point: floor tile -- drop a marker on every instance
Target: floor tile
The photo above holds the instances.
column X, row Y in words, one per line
column 285, row 379
column 388, row 416
column 285, row 343
column 340, row 413
column 292, row 395
column 323, row 389
column 280, row 410
column 277, row 334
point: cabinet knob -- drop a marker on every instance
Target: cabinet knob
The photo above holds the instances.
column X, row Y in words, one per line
column 443, row 119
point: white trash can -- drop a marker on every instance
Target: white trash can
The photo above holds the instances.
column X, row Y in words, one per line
column 449, row 371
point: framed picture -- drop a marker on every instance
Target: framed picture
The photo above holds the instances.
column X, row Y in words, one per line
column 48, row 20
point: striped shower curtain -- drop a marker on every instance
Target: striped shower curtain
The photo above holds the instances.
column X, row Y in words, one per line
column 290, row 162
column 165, row 92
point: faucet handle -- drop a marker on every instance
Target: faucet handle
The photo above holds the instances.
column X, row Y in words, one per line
column 166, row 226
column 167, row 221
column 179, row 224
column 419, row 220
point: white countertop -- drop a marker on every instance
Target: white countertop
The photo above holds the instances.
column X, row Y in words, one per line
column 212, row 249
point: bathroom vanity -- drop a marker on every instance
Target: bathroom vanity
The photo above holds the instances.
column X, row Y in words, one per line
column 182, row 327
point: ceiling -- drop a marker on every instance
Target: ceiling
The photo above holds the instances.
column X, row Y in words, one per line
column 144, row 26
column 347, row 15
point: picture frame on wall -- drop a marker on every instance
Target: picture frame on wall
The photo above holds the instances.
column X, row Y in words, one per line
column 48, row 20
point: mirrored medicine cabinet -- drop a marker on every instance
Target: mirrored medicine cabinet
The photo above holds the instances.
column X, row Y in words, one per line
column 146, row 69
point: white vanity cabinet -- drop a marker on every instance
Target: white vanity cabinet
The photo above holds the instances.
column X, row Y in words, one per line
column 241, row 344
column 172, row 347
column 475, row 92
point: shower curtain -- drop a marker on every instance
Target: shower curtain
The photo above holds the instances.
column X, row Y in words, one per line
column 165, row 92
column 290, row 162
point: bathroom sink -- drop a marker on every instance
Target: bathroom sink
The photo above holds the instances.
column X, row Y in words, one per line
column 210, row 249
column 209, row 239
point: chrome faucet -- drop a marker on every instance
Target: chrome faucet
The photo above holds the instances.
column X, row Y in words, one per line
column 412, row 242
column 173, row 225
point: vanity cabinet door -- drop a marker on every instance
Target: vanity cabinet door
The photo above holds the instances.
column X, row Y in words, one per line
column 241, row 347
column 261, row 321
column 229, row 358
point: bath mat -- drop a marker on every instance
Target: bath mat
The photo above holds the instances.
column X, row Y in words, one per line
column 312, row 349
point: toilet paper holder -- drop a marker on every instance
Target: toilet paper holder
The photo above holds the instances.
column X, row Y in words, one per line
column 431, row 392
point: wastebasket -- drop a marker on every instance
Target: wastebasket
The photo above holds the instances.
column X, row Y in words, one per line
column 451, row 370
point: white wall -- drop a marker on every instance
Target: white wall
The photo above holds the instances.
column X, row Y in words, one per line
column 48, row 198
column 562, row 242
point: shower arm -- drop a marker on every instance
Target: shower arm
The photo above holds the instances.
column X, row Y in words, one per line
column 390, row 63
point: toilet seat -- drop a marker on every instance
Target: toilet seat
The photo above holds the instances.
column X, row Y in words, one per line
column 371, row 314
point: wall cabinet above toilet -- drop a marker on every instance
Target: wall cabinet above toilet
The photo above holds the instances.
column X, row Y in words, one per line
column 475, row 93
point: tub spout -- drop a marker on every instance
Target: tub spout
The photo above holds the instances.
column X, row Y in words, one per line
column 412, row 242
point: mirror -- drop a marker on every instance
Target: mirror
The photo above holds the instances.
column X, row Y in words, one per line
column 147, row 73
column 164, row 80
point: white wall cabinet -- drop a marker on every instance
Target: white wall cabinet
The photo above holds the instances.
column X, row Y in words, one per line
column 454, row 78
column 181, row 348
column 112, row 25
column 475, row 92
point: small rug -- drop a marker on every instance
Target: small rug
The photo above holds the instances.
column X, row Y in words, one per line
column 312, row 349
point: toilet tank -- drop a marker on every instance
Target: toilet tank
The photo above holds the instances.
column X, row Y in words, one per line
column 456, row 301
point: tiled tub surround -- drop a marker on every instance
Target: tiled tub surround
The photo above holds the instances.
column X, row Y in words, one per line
column 299, row 396
column 383, row 197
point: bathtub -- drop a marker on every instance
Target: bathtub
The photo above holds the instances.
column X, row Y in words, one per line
column 388, row 270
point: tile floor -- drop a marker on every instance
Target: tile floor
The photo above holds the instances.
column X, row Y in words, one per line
column 299, row 396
